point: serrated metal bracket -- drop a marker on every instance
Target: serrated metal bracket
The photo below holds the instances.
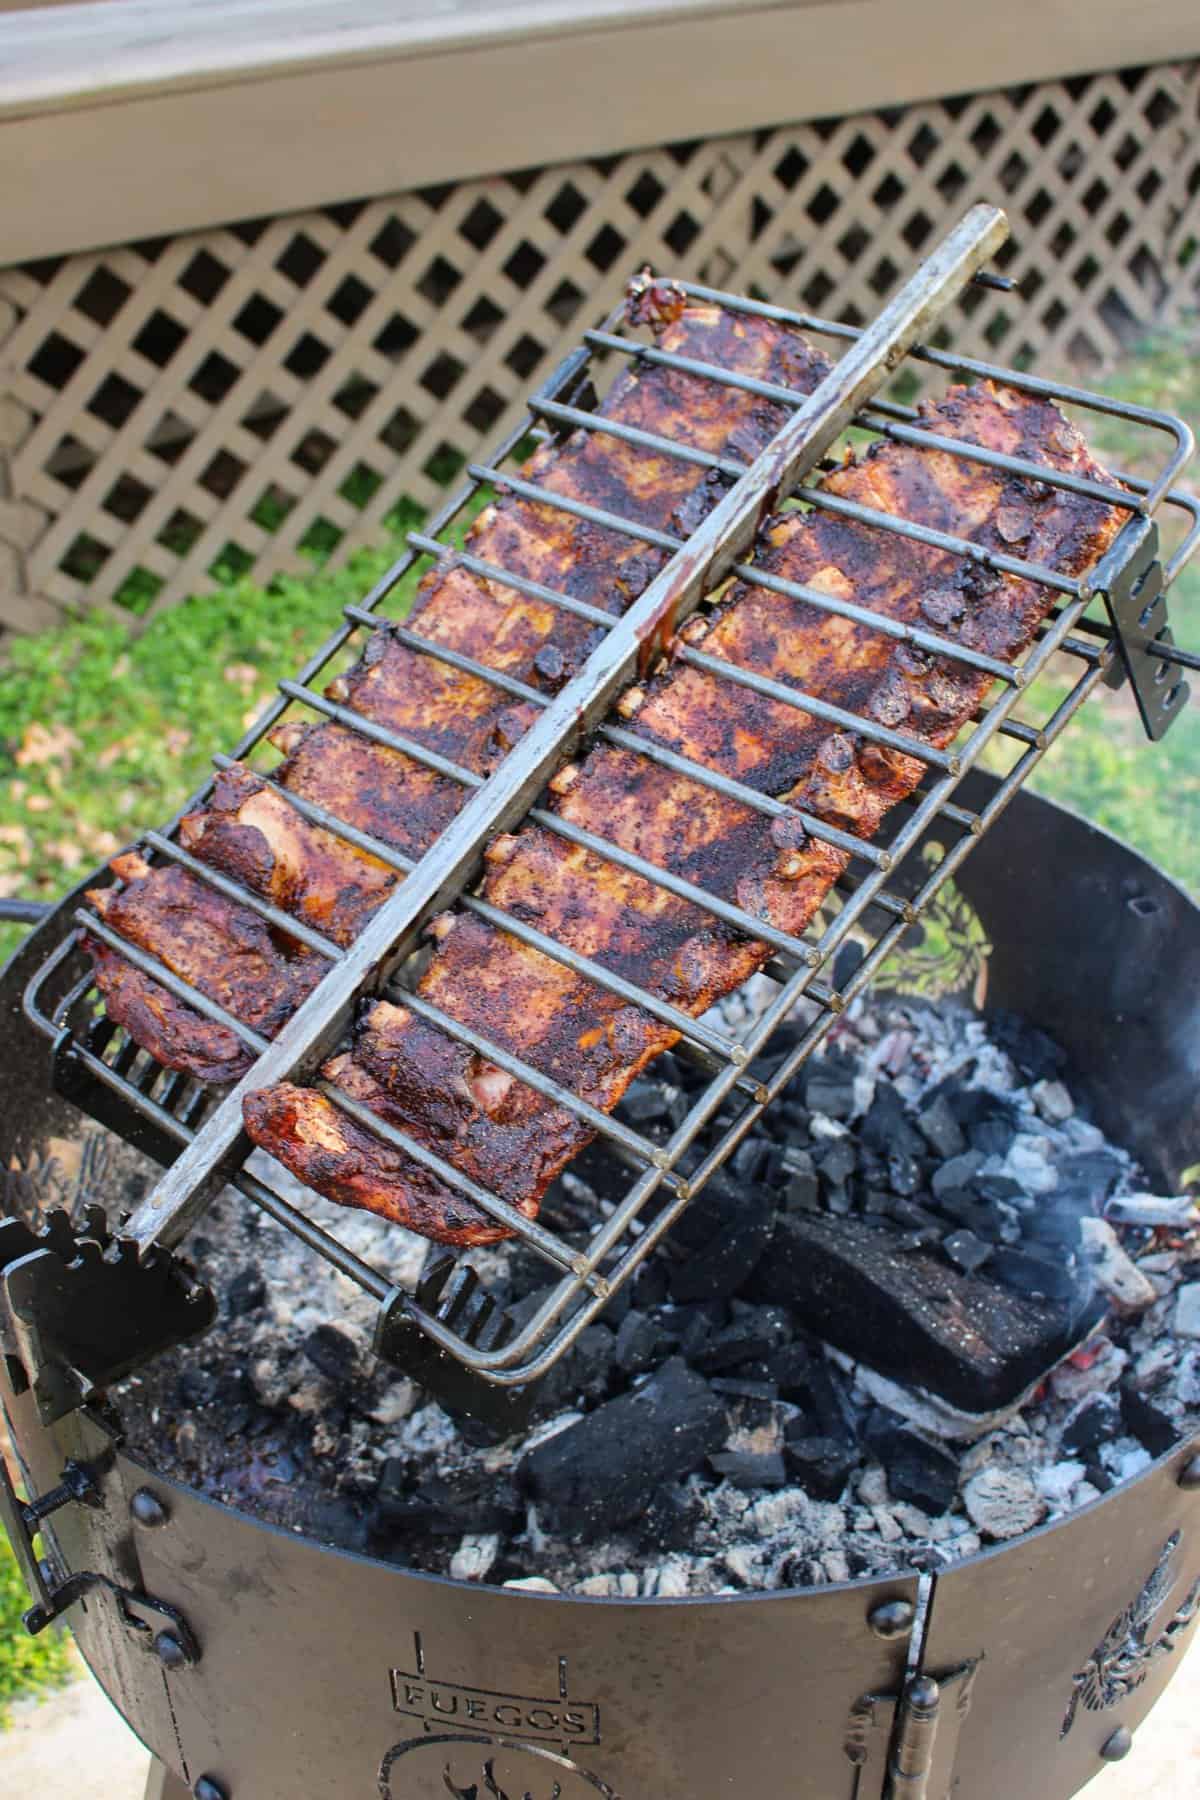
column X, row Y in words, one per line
column 1137, row 606
column 81, row 1307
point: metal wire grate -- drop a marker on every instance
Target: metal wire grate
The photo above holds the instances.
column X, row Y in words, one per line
column 170, row 1113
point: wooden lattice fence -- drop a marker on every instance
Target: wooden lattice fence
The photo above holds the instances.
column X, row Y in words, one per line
column 231, row 398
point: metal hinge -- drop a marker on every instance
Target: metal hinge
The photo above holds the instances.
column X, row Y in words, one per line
column 160, row 1626
column 908, row 1742
column 1137, row 606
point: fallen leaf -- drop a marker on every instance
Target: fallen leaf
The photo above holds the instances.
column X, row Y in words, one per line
column 40, row 745
column 243, row 675
column 39, row 803
column 177, row 740
column 113, row 752
column 67, row 852
column 19, row 839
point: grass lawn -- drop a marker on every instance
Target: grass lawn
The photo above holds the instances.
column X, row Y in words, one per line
column 104, row 731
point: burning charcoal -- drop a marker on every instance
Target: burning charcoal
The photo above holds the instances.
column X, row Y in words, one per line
column 789, row 1368
column 1113, row 1270
column 956, row 1175
column 916, row 1471
column 601, row 1473
column 966, row 1251
column 1034, row 1272
column 245, row 1293
column 878, row 1201
column 1088, row 1177
column 1095, row 1421
column 821, row 1465
column 1053, row 1101
column 836, row 1159
column 1186, row 1320
column 749, row 1469
column 1003, row 1503
column 904, row 1173
column 724, row 1257
column 1037, row 1057
column 333, row 1354
column 914, row 1319
column 940, row 1129
column 641, row 1342
column 839, row 1201
column 1177, row 1212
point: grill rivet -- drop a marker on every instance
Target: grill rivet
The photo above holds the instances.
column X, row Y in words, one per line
column 171, row 1653
column 208, row 1789
column 148, row 1509
column 1118, row 1745
column 894, row 1619
column 1190, row 1475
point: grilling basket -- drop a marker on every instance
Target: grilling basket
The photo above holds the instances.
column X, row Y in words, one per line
column 914, row 1685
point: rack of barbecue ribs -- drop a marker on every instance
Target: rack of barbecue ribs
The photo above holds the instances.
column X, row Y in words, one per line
column 499, row 1130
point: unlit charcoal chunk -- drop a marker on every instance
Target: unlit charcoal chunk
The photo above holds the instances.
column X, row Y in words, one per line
column 821, row 1465
column 1003, row 1503
column 1034, row 1272
column 917, row 1471
column 957, row 1174
column 966, row 1251
column 749, row 1468
column 940, row 1129
column 1094, row 1422
column 601, row 1473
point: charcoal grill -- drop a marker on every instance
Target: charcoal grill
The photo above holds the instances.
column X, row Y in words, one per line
column 1111, row 625
column 86, row 1299
column 256, row 1662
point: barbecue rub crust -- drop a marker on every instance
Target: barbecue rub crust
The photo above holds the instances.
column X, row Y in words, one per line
column 500, row 1131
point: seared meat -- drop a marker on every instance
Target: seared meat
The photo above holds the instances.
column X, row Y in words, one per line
column 222, row 949
column 252, row 835
column 497, row 1129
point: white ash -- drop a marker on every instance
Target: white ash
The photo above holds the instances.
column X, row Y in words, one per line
column 1014, row 1468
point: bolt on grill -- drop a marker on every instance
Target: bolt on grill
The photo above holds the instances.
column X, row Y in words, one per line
column 449, row 1334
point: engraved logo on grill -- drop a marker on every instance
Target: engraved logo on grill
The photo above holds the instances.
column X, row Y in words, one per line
column 445, row 1704
column 469, row 1768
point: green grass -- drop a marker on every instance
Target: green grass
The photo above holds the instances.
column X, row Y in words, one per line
column 27, row 1664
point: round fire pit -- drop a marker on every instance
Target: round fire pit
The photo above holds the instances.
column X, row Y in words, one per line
column 257, row 1664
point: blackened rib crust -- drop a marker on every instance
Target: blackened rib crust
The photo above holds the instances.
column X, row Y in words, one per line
column 254, row 836
column 497, row 1129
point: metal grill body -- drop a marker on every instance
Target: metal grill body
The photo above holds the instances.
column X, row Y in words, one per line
column 446, row 1329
